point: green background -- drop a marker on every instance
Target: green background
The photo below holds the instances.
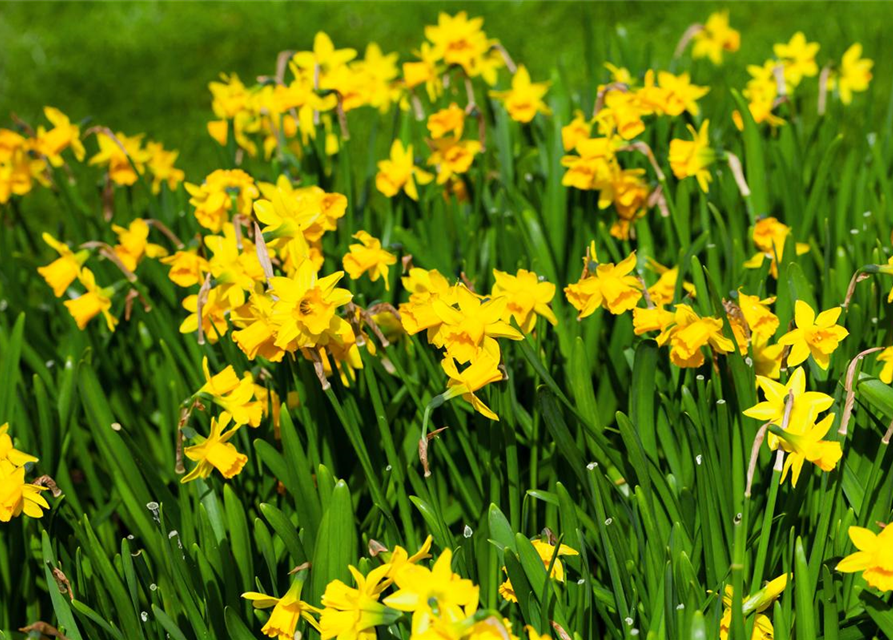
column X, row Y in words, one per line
column 144, row 67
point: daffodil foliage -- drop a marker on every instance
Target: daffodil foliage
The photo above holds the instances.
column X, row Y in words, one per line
column 446, row 348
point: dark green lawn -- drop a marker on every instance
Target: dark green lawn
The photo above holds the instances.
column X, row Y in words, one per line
column 145, row 66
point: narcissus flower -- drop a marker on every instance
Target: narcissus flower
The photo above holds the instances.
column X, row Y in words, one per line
column 304, row 313
column 447, row 122
column 481, row 372
column 818, row 336
column 610, row 286
column 432, row 594
column 766, row 357
column 400, row 173
column 651, row 319
column 215, row 452
column 133, row 244
column 663, row 291
column 527, row 297
column 854, row 74
column 757, row 314
column 368, row 257
column 546, row 552
column 124, row 156
column 16, row 496
column 689, row 333
column 715, row 38
column 223, row 192
column 424, row 287
column 94, row 301
column 424, row 71
column 460, row 41
column 287, row 610
column 161, row 165
column 62, row 271
column 770, row 236
column 874, row 557
column 235, row 395
column 755, row 603
column 187, row 268
column 473, row 327
column 808, row 446
column 578, row 129
column 8, row 453
column 64, row 135
column 679, row 94
column 693, row 157
column 452, row 156
column 798, row 58
column 214, row 312
column 807, row 405
column 352, row 613
column 525, row 99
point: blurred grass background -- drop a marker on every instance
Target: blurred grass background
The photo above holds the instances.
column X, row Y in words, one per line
column 144, row 67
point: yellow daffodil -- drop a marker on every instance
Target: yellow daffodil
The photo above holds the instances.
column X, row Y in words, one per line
column 689, row 333
column 680, row 95
column 693, row 157
column 188, row 268
column 94, row 301
column 621, row 115
column 756, row 603
column 757, row 314
column 287, row 610
column 161, row 166
column 353, row 613
column 527, row 297
column 798, row 58
column 525, row 99
column 432, row 594
column 223, row 192
column 808, row 446
column 806, row 407
column 716, row 38
column 214, row 313
column 123, row 155
column 257, row 333
column 610, row 286
column 854, row 74
column 452, row 156
column 769, row 235
column 578, row 129
column 473, row 327
column 62, row 271
column 874, row 557
column 424, row 287
column 460, row 41
column 629, row 193
column 447, row 122
column 215, row 452
column 662, row 291
column 592, row 167
column 818, row 336
column 368, row 256
column 766, row 357
column 16, row 496
column 64, row 135
column 400, row 173
column 546, row 552
column 133, row 244
column 424, row 71
column 481, row 372
column 651, row 319
column 8, row 452
column 235, row 395
column 304, row 313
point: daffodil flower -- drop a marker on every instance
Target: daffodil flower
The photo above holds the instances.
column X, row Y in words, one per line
column 808, row 446
column 481, row 372
column 62, row 271
column 400, row 173
column 8, row 453
column 692, row 158
column 818, row 336
column 874, row 557
column 368, row 257
column 287, row 610
column 215, row 452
